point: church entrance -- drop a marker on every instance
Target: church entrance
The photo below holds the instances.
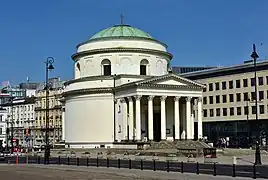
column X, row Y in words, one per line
column 157, row 127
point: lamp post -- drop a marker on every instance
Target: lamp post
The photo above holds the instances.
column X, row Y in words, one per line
column 49, row 66
column 255, row 56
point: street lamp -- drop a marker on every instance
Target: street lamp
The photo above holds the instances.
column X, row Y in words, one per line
column 49, row 66
column 255, row 56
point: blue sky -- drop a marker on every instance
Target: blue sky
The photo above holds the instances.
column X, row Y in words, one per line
column 198, row 32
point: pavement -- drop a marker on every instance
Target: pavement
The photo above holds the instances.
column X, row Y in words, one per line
column 55, row 172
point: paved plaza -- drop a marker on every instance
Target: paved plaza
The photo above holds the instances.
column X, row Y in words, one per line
column 54, row 172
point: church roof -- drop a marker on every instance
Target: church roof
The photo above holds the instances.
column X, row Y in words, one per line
column 121, row 31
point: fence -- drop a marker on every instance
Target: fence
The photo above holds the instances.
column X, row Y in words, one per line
column 168, row 166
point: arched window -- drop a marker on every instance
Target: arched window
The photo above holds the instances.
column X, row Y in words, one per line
column 144, row 66
column 106, row 67
column 78, row 70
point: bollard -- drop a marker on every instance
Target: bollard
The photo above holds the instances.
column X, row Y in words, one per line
column 234, row 160
column 87, row 161
column 107, row 162
column 197, row 168
column 167, row 166
column 59, row 160
column 182, row 167
column 17, row 159
column 129, row 164
column 97, row 163
column 118, row 163
column 68, row 160
column 254, row 171
column 154, row 164
column 233, row 170
column 214, row 171
column 77, row 161
column 141, row 164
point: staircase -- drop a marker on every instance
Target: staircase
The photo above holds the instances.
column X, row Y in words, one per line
column 183, row 144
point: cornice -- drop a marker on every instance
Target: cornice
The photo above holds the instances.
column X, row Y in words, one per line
column 87, row 91
column 114, row 50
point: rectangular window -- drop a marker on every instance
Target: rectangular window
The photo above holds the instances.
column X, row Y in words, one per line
column 210, row 99
column 237, row 83
column 1, row 118
column 267, row 80
column 252, row 81
column 253, row 109
column 107, row 70
column 246, row 110
column 260, row 79
column 231, row 111
column 218, row 112
column 253, row 96
column 218, row 99
column 204, row 100
column 261, row 109
column 231, row 97
column 204, row 89
column 210, row 87
column 238, row 97
column 217, row 86
column 238, row 111
column 211, row 112
column 224, row 111
column 231, row 84
column 246, row 96
column 223, row 85
column 142, row 69
column 261, row 95
column 205, row 113
column 224, row 99
column 1, row 131
column 245, row 82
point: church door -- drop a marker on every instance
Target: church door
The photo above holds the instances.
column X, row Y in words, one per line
column 157, row 127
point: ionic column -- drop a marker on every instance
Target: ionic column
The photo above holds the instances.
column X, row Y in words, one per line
column 138, row 118
column 163, row 117
column 131, row 117
column 199, row 118
column 177, row 117
column 124, row 114
column 150, row 118
column 116, row 125
column 188, row 118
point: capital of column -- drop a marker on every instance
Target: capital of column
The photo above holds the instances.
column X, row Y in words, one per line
column 188, row 99
column 199, row 99
column 138, row 97
column 122, row 100
column 130, row 99
column 177, row 98
column 163, row 98
column 116, row 100
column 150, row 98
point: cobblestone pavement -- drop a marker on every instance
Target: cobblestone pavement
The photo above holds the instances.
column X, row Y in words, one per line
column 53, row 172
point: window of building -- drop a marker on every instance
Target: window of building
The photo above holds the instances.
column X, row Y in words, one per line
column 204, row 100
column 223, row 85
column 245, row 82
column 267, row 80
column 246, row 96
column 237, row 83
column 218, row 112
column 210, row 99
column 224, row 99
column 1, row 118
column 253, row 109
column 238, row 111
column 261, row 95
column 210, row 87
column 204, row 89
column 253, row 96
column 238, row 97
column 1, row 131
column 261, row 109
column 78, row 70
column 205, row 113
column 231, row 97
column 144, row 67
column 217, row 86
column 260, row 79
column 231, row 84
column 106, row 67
column 246, row 110
column 224, row 111
column 218, row 99
column 231, row 111
column 252, row 81
column 211, row 112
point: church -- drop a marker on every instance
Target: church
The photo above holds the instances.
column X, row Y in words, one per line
column 123, row 91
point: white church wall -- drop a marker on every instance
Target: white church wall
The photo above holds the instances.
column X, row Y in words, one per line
column 90, row 84
column 89, row 119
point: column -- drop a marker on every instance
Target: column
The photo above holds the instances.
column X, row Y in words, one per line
column 116, row 125
column 188, row 118
column 124, row 114
column 177, row 117
column 131, row 117
column 150, row 118
column 199, row 118
column 138, row 117
column 163, row 117
column 63, row 124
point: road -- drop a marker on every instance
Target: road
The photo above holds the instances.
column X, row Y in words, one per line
column 55, row 172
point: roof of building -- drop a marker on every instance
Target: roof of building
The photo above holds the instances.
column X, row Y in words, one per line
column 21, row 101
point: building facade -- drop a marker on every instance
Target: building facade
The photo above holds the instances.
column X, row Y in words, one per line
column 184, row 69
column 229, row 108
column 55, row 113
column 3, row 126
column 122, row 91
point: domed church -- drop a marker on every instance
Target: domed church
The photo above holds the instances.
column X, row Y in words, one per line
column 123, row 93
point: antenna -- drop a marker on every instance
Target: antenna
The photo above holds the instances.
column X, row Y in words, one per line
column 121, row 19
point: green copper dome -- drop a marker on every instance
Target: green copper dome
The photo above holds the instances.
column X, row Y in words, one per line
column 121, row 31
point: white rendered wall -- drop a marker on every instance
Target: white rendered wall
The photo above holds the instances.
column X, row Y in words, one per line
column 89, row 119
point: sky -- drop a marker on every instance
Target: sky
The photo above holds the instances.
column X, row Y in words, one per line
column 197, row 32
